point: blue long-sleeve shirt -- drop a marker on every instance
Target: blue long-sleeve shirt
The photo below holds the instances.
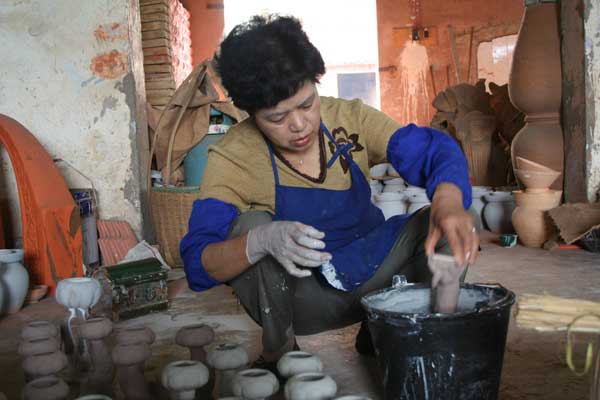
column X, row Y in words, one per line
column 422, row 156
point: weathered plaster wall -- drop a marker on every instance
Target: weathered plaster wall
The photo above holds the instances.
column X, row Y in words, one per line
column 73, row 77
column 592, row 94
column 206, row 25
column 405, row 78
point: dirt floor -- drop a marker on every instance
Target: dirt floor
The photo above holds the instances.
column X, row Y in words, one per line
column 533, row 365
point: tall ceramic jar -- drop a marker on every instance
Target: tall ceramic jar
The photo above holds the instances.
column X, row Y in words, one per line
column 14, row 280
column 530, row 218
column 535, row 87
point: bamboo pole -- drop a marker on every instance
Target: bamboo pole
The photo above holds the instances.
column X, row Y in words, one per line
column 552, row 313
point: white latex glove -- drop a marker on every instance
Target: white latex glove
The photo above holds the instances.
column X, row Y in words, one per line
column 290, row 243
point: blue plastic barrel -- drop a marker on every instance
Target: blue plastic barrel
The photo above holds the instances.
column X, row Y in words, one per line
column 194, row 162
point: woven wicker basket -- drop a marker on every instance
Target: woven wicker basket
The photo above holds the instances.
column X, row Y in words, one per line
column 171, row 209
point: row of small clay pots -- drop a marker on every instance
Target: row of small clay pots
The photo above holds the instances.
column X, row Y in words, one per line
column 305, row 380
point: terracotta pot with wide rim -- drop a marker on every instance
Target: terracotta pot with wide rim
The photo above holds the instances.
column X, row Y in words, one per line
column 530, row 217
column 535, row 87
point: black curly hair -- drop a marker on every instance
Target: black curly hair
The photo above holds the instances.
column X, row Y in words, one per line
column 266, row 60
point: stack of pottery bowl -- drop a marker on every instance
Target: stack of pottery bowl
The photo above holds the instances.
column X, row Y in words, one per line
column 390, row 203
column 498, row 210
column 394, row 185
column 530, row 218
column 378, row 171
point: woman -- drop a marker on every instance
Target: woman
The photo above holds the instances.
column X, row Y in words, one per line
column 285, row 216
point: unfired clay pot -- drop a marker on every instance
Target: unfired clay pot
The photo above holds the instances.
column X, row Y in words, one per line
column 255, row 384
column 536, row 181
column 530, row 218
column 135, row 334
column 46, row 388
column 39, row 330
column 227, row 359
column 14, row 280
column 310, row 386
column 95, row 331
column 130, row 360
column 535, row 88
column 195, row 337
column 44, row 364
column 298, row 362
column 182, row 378
column 38, row 346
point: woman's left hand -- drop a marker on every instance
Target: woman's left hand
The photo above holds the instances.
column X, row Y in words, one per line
column 448, row 218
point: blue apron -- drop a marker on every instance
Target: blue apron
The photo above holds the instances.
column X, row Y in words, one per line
column 356, row 233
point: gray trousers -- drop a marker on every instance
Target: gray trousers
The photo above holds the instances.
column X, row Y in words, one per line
column 281, row 303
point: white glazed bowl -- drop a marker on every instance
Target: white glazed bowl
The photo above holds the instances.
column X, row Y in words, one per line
column 81, row 293
column 378, row 170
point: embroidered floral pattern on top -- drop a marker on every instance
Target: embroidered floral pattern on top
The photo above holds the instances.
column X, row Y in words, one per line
column 342, row 138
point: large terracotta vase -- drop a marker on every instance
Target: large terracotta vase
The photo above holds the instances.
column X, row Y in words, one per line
column 530, row 218
column 535, row 87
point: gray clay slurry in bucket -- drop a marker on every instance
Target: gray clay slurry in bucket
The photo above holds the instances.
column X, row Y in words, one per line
column 425, row 356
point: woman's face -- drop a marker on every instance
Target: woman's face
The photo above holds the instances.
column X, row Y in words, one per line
column 293, row 124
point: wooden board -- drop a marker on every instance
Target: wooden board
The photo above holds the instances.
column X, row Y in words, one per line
column 160, row 68
column 155, row 8
column 157, row 34
column 157, row 51
column 155, row 26
column 155, row 43
column 156, row 76
column 150, row 2
column 154, row 17
column 164, row 59
column 166, row 84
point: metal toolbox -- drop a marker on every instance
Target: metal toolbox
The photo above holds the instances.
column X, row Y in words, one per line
column 137, row 287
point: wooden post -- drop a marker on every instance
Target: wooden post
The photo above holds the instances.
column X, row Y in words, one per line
column 451, row 35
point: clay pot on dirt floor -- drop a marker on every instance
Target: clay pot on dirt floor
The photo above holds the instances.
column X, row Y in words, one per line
column 530, row 218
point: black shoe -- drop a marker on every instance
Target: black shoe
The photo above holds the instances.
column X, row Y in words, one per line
column 364, row 344
column 261, row 363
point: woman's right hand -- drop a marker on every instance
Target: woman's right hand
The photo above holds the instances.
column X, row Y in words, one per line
column 290, row 243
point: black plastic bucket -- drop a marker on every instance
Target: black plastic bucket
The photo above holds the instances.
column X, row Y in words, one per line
column 425, row 356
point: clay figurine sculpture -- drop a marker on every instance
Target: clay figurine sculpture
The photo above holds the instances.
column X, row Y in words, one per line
column 44, row 364
column 130, row 359
column 195, row 337
column 255, row 384
column 134, row 335
column 227, row 359
column 46, row 388
column 94, row 331
column 297, row 362
column 182, row 378
column 14, row 279
column 310, row 386
column 39, row 330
